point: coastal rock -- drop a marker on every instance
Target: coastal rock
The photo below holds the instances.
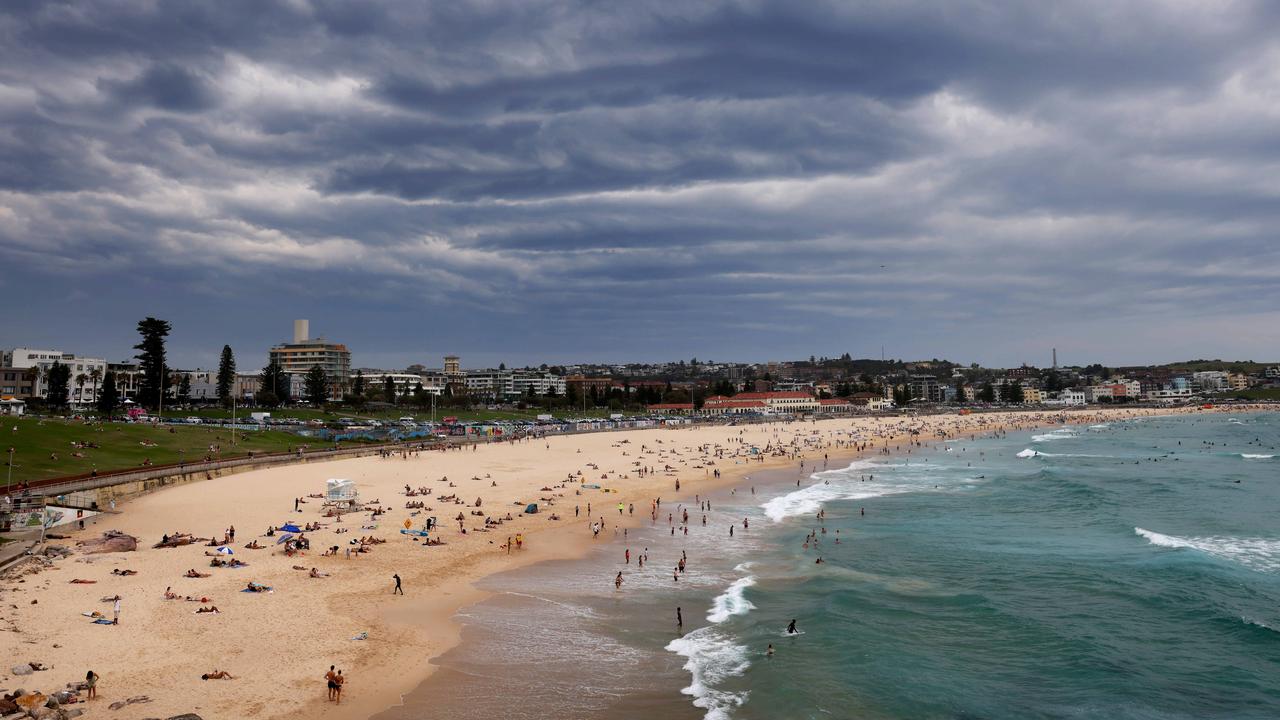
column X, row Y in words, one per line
column 111, row 541
column 185, row 716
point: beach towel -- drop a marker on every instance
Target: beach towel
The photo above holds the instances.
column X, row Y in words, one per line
column 266, row 590
column 102, row 621
column 361, row 636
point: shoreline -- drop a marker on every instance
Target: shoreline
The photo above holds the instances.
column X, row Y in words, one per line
column 316, row 617
column 840, row 458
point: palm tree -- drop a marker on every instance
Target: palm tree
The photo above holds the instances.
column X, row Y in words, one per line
column 96, row 376
column 81, row 379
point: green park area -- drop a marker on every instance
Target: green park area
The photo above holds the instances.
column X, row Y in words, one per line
column 47, row 447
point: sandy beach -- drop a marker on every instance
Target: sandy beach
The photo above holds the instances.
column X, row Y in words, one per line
column 279, row 644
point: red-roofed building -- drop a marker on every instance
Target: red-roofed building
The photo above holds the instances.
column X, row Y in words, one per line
column 670, row 408
column 834, row 405
column 720, row 405
column 787, row 402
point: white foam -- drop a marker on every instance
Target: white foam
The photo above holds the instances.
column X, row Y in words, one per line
column 1029, row 453
column 712, row 657
column 832, row 485
column 1061, row 434
column 1254, row 456
column 1254, row 553
column 732, row 602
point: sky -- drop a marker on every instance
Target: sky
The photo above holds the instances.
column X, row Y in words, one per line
column 558, row 181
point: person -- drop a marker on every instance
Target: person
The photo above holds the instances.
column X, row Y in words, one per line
column 218, row 675
column 331, row 678
column 91, row 684
column 791, row 628
column 679, row 619
column 339, row 680
column 769, row 651
column 617, row 582
column 398, row 590
column 115, row 620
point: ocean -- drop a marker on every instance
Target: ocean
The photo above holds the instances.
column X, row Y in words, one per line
column 1123, row 570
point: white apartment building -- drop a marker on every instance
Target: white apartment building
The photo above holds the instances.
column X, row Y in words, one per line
column 1170, row 394
column 1072, row 397
column 78, row 394
column 1210, row 380
column 1094, row 393
column 541, row 382
column 405, row 383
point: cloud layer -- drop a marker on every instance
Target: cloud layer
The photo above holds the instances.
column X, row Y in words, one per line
column 560, row 180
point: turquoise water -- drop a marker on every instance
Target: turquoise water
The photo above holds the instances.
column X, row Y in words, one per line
column 1103, row 571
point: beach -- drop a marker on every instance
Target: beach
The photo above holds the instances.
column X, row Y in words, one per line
column 279, row 644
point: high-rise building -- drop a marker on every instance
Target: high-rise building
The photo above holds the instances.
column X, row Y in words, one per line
column 299, row 356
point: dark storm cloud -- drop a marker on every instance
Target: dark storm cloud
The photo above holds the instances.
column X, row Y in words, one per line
column 557, row 180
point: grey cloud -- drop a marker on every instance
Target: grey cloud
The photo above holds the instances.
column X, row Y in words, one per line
column 551, row 181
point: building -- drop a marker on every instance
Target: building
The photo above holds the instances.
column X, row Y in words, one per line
column 779, row 402
column 584, row 384
column 670, row 408
column 1238, row 381
column 1072, row 397
column 128, row 379
column 405, row 383
column 1032, row 395
column 17, row 382
column 926, row 388
column 299, row 356
column 86, row 372
column 1169, row 395
column 1095, row 393
column 542, row 383
column 720, row 405
column 1210, row 380
column 1272, row 373
column 835, row 405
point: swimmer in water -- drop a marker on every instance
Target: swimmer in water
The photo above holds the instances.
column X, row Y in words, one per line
column 769, row 651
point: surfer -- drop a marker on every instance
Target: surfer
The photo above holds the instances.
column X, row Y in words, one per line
column 791, row 628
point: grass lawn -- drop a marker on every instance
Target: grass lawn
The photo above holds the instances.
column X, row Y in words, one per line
column 120, row 445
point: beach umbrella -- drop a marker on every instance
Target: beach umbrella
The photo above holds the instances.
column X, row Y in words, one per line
column 290, row 527
column 284, row 539
column 224, row 550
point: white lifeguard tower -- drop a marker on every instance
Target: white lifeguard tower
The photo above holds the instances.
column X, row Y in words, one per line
column 342, row 494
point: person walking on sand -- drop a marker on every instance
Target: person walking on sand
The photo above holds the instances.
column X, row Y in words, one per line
column 115, row 619
column 398, row 590
column 338, row 681
column 331, row 678
column 91, row 685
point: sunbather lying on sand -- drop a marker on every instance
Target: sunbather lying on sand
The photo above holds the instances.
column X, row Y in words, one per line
column 256, row 587
column 210, row 609
column 79, row 581
column 193, row 574
column 124, row 573
column 218, row 675
column 317, row 574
